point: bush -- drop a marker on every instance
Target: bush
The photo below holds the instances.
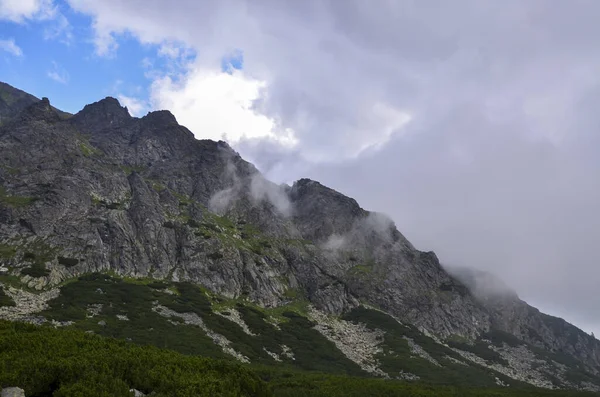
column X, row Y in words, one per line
column 36, row 270
column 68, row 262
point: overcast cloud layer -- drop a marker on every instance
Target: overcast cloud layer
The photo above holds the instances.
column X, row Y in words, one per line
column 472, row 123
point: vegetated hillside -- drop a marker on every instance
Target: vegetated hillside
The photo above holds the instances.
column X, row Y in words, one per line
column 61, row 362
column 131, row 228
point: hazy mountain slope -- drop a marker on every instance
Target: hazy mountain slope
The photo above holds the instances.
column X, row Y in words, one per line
column 104, row 192
column 514, row 316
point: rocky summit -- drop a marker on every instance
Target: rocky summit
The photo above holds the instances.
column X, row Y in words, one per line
column 133, row 228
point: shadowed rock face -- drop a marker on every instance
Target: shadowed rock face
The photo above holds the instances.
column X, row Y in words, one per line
column 104, row 191
column 12, row 101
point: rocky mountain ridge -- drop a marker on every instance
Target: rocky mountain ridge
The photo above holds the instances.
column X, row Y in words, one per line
column 104, row 192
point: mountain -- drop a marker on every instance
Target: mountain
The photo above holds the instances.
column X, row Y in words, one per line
column 132, row 228
column 13, row 101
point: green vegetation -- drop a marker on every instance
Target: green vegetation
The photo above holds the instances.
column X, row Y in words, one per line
column 183, row 199
column 576, row 372
column 498, row 338
column 36, row 270
column 236, row 234
column 128, row 169
column 361, row 269
column 86, row 147
column 481, row 349
column 146, row 327
column 36, row 252
column 7, row 251
column 242, row 236
column 134, row 302
column 14, row 201
column 298, row 384
column 397, row 356
column 45, row 362
column 157, row 186
column 5, row 300
column 10, row 170
column 68, row 363
column 68, row 262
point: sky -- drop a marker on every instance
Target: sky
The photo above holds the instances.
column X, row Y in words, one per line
column 472, row 123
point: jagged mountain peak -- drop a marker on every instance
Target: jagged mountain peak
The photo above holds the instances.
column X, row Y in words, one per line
column 324, row 211
column 108, row 105
column 105, row 114
column 160, row 117
column 40, row 111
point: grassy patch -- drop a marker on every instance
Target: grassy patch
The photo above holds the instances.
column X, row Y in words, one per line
column 183, row 199
column 85, row 147
column 14, row 201
column 7, row 251
column 361, row 270
column 129, row 169
column 11, row 170
column 292, row 293
column 157, row 186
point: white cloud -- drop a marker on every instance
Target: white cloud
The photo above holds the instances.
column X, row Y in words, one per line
column 11, row 47
column 21, row 10
column 136, row 106
column 59, row 29
column 217, row 106
column 58, row 74
column 474, row 124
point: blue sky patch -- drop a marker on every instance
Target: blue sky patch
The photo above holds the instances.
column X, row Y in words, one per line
column 61, row 64
column 232, row 62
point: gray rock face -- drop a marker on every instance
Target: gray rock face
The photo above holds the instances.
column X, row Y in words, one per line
column 12, row 392
column 141, row 197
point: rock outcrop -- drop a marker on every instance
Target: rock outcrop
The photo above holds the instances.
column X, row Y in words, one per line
column 12, row 392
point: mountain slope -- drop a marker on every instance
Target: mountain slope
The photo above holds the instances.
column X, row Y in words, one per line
column 141, row 199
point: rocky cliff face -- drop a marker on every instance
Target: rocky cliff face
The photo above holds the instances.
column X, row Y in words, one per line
column 102, row 191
